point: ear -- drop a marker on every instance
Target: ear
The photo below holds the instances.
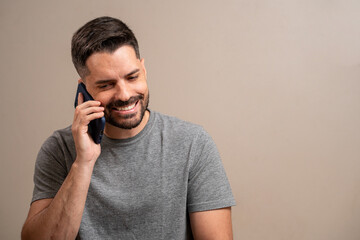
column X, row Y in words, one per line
column 142, row 61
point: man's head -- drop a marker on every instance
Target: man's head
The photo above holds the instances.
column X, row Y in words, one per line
column 103, row 34
column 106, row 55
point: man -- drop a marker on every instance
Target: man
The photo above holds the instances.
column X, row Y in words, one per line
column 152, row 177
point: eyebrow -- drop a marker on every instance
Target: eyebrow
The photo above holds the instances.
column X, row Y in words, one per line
column 110, row 80
column 132, row 72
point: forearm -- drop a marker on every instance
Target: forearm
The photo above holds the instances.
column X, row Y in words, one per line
column 62, row 218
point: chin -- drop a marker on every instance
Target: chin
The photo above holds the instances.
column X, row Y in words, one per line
column 127, row 122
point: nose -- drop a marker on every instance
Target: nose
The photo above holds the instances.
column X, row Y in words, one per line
column 123, row 91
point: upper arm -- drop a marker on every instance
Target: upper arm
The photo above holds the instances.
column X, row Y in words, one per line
column 212, row 224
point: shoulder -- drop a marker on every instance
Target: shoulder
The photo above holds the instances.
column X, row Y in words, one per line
column 177, row 126
column 181, row 131
column 57, row 149
column 60, row 139
column 61, row 135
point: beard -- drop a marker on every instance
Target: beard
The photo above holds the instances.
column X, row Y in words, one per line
column 128, row 121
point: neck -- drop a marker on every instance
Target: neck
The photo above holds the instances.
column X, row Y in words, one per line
column 120, row 133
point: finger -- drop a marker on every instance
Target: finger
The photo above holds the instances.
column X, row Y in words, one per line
column 81, row 113
column 91, row 110
column 88, row 104
column 88, row 118
column 95, row 116
column 80, row 98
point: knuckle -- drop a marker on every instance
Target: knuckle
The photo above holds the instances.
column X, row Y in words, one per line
column 77, row 110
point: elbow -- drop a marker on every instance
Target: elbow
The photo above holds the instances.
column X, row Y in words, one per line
column 25, row 233
column 28, row 233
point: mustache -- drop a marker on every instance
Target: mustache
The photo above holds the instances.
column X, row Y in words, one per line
column 119, row 103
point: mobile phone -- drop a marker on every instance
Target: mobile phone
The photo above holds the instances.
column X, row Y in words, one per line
column 96, row 126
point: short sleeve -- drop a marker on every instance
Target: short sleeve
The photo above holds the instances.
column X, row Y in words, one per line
column 208, row 186
column 50, row 170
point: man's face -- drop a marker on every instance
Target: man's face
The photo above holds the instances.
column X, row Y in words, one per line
column 118, row 81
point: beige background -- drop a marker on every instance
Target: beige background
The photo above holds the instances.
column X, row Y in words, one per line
column 276, row 83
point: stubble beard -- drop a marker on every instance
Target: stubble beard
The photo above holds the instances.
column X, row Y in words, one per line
column 129, row 121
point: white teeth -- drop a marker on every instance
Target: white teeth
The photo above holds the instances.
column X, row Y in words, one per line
column 126, row 108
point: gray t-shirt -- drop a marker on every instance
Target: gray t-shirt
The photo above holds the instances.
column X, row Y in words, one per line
column 142, row 187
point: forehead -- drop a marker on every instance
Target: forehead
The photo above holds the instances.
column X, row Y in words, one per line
column 120, row 62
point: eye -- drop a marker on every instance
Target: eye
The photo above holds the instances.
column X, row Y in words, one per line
column 105, row 86
column 134, row 77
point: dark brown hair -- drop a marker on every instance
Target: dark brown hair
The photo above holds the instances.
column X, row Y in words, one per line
column 103, row 34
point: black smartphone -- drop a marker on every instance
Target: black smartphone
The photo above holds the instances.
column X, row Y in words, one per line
column 96, row 126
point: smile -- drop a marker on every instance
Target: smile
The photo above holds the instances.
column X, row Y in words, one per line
column 126, row 108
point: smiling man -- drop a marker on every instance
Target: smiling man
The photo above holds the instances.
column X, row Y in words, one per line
column 152, row 177
column 118, row 81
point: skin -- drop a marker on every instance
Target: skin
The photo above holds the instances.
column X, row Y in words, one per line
column 113, row 77
column 118, row 76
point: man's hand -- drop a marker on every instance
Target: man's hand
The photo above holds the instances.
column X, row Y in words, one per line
column 86, row 149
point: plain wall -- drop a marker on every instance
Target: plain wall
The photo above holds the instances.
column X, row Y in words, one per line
column 276, row 84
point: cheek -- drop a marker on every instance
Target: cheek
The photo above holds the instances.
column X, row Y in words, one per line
column 141, row 87
column 104, row 98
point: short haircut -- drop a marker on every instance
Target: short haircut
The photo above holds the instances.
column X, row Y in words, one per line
column 103, row 34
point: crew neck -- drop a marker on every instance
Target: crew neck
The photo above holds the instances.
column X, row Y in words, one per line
column 135, row 138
